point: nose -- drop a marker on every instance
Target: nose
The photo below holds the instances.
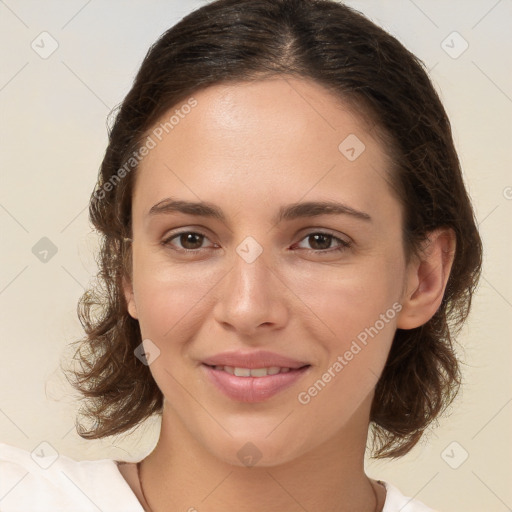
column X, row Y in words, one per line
column 252, row 298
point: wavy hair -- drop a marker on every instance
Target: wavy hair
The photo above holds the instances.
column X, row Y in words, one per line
column 339, row 48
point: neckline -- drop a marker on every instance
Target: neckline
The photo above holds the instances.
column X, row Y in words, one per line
column 118, row 463
column 128, row 485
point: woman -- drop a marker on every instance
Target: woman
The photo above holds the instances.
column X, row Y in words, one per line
column 288, row 250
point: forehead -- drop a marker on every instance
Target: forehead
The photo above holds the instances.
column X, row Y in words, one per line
column 272, row 110
column 257, row 141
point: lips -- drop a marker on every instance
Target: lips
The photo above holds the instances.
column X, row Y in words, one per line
column 254, row 376
column 252, row 372
column 252, row 360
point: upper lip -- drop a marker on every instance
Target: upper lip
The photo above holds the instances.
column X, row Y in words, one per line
column 251, row 360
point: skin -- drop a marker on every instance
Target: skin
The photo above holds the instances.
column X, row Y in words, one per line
column 250, row 148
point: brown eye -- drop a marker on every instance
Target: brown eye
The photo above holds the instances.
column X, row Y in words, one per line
column 188, row 241
column 321, row 242
column 191, row 240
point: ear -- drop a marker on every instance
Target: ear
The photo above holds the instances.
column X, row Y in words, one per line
column 129, row 297
column 426, row 279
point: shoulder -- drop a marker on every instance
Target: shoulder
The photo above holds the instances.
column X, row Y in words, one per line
column 396, row 501
column 44, row 481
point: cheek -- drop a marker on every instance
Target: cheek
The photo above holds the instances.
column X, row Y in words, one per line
column 349, row 299
column 169, row 298
column 358, row 310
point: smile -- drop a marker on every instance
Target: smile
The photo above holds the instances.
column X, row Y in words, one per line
column 252, row 384
column 252, row 372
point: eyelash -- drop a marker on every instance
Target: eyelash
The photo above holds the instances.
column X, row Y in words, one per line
column 343, row 244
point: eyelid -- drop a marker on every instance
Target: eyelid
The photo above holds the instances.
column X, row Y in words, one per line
column 182, row 231
column 313, row 230
column 343, row 243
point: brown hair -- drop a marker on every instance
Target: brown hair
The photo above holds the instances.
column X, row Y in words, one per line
column 323, row 40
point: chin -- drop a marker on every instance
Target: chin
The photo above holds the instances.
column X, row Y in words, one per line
column 257, row 450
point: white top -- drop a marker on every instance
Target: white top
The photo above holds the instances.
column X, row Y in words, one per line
column 43, row 481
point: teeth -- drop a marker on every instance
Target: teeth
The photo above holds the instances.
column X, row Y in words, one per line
column 242, row 372
column 254, row 372
column 258, row 372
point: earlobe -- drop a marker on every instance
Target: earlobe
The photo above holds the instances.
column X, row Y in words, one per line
column 427, row 277
column 129, row 297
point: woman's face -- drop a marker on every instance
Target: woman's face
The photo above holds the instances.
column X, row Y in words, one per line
column 270, row 272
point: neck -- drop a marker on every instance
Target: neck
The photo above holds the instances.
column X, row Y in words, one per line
column 184, row 475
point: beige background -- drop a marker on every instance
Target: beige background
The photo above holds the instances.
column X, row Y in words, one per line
column 53, row 137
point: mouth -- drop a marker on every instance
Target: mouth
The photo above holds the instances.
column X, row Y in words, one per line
column 254, row 372
column 253, row 384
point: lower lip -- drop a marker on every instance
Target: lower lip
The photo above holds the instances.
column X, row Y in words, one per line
column 253, row 389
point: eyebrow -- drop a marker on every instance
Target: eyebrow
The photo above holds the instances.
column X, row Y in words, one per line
column 287, row 212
